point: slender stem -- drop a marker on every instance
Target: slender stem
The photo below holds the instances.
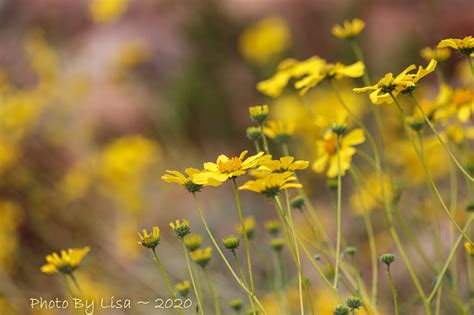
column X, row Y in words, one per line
column 246, row 239
column 211, row 236
column 394, row 290
column 212, row 291
column 241, row 272
column 257, row 145
column 438, row 301
column 440, row 139
column 68, row 286
column 193, row 282
column 163, row 273
column 358, row 53
column 284, row 149
column 76, row 283
column 338, row 213
column 470, row 64
column 279, row 283
column 264, row 140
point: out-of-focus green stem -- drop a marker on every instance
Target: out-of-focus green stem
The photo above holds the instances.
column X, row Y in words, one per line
column 338, row 213
column 212, row 291
column 193, row 281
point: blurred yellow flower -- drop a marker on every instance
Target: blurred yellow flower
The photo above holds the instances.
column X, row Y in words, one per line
column 65, row 263
column 272, row 184
column 129, row 55
column 11, row 216
column 279, row 131
column 265, row 41
column 249, row 226
column 188, row 183
column 461, row 105
column 202, row 256
column 465, row 45
column 389, row 85
column 369, row 194
column 77, row 181
column 258, row 113
column 349, row 29
column 284, row 164
column 226, row 168
column 150, row 240
column 438, row 54
column 327, row 151
column 102, row 11
column 469, row 248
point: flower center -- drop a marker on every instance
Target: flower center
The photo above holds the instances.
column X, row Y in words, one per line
column 330, row 146
column 232, row 165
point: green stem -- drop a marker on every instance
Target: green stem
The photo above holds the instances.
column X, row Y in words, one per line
column 211, row 236
column 394, row 290
column 284, row 149
column 242, row 275
column 257, row 146
column 470, row 64
column 264, row 140
column 438, row 301
column 358, row 53
column 68, row 286
column 279, row 282
column 212, row 291
column 193, row 281
column 76, row 283
column 338, row 213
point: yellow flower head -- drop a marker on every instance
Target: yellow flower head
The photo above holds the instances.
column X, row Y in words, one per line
column 188, row 182
column 103, row 11
column 279, row 131
column 438, row 54
column 327, row 151
column 150, row 240
column 469, row 248
column 227, row 167
column 349, row 29
column 65, row 263
column 465, row 46
column 249, row 226
column 264, row 41
column 272, row 184
column 390, row 86
column 460, row 104
column 258, row 113
column 192, row 241
column 180, row 228
column 286, row 70
column 284, row 164
column 183, row 288
column 202, row 256
column 331, row 71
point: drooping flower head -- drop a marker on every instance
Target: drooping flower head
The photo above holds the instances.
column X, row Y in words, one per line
column 327, row 151
column 348, row 29
column 227, row 167
column 150, row 240
column 65, row 263
column 187, row 181
column 390, row 86
column 279, row 131
column 272, row 184
column 465, row 45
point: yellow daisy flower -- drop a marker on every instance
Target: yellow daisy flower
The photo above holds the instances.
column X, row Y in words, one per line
column 202, row 256
column 327, row 151
column 188, row 182
column 438, row 54
column 226, row 168
column 349, row 29
column 284, row 164
column 279, row 131
column 389, row 85
column 65, row 263
column 272, row 184
column 461, row 105
column 465, row 46
column 150, row 240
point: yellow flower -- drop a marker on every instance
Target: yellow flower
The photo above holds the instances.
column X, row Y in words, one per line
column 329, row 70
column 286, row 70
column 349, row 29
column 188, row 183
column 67, row 262
column 192, row 241
column 284, row 164
column 227, row 167
column 279, row 131
column 183, row 288
column 272, row 184
column 461, row 104
column 327, row 151
column 465, row 46
column 202, row 256
column 389, row 85
column 150, row 240
column 369, row 195
column 249, row 227
column 180, row 228
column 258, row 113
column 438, row 54
column 469, row 248
column 103, row 11
column 264, row 41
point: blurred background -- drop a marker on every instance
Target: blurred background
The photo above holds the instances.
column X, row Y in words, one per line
column 99, row 98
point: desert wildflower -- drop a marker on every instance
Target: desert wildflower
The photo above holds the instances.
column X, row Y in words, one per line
column 231, row 242
column 236, row 304
column 192, row 241
column 390, row 86
column 387, row 259
column 227, row 168
column 282, row 165
column 187, row 181
column 327, row 151
column 254, row 133
column 341, row 310
column 354, row 302
column 465, row 45
column 330, row 71
column 266, row 40
column 202, row 256
column 258, row 113
column 469, row 248
column 272, row 184
column 279, row 131
column 273, row 227
column 150, row 240
column 277, row 244
column 349, row 29
column 65, row 263
column 183, row 288
column 180, row 228
column 249, row 227
column 438, row 54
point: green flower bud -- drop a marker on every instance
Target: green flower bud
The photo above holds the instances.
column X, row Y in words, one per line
column 183, row 288
column 254, row 133
column 231, row 242
column 236, row 304
column 354, row 302
column 351, row 251
column 273, row 227
column 387, row 259
column 277, row 244
column 192, row 241
column 341, row 310
column 298, row 202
